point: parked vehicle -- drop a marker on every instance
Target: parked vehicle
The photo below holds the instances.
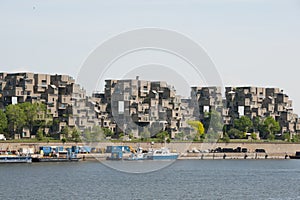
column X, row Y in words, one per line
column 195, row 150
column 260, row 151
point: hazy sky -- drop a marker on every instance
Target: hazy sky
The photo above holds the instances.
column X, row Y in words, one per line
column 251, row 42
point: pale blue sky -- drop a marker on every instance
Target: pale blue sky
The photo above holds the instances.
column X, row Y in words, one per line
column 251, row 42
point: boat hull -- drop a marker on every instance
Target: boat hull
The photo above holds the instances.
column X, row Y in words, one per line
column 294, row 157
column 163, row 157
column 135, row 159
column 55, row 160
column 17, row 159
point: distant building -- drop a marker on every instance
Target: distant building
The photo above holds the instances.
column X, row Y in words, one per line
column 207, row 99
column 139, row 107
column 58, row 92
column 261, row 102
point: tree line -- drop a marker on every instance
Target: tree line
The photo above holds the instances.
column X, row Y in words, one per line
column 34, row 117
column 242, row 128
column 16, row 117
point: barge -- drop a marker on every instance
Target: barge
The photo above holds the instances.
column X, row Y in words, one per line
column 45, row 159
column 15, row 159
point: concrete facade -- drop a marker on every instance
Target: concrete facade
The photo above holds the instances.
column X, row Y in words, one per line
column 139, row 107
column 261, row 102
column 143, row 108
column 58, row 92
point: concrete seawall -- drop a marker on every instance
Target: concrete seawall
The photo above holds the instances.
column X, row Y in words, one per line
column 273, row 150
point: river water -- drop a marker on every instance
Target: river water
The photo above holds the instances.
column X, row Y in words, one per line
column 183, row 179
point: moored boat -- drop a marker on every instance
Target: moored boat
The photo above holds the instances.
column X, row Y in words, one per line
column 138, row 155
column 49, row 159
column 296, row 156
column 15, row 159
column 62, row 156
column 162, row 154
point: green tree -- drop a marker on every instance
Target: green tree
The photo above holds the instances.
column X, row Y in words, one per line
column 107, row 132
column 256, row 123
column 63, row 140
column 86, row 136
column 236, row 134
column 65, row 132
column 16, row 118
column 130, row 135
column 271, row 137
column 75, row 135
column 213, row 122
column 40, row 135
column 253, row 136
column 121, row 135
column 225, row 139
column 243, row 124
column 30, row 112
column 162, row 136
column 3, row 121
column 296, row 138
column 97, row 133
column 179, row 136
column 35, row 114
column 286, row 137
column 270, row 127
column 168, row 140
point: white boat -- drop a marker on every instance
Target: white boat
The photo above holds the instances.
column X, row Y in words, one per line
column 162, row 154
column 139, row 155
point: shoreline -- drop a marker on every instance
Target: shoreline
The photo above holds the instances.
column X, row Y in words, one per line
column 273, row 150
column 204, row 156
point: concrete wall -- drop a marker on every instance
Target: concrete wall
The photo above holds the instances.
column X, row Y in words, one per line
column 271, row 148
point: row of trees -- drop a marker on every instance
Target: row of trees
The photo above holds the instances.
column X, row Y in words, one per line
column 96, row 134
column 209, row 128
column 34, row 117
column 24, row 115
column 267, row 128
column 212, row 124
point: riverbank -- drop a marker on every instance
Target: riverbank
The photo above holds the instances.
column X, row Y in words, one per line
column 202, row 156
column 272, row 150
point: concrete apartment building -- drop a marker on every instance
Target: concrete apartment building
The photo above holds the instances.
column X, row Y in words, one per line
column 139, row 107
column 58, row 92
column 142, row 108
column 261, row 102
column 207, row 98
